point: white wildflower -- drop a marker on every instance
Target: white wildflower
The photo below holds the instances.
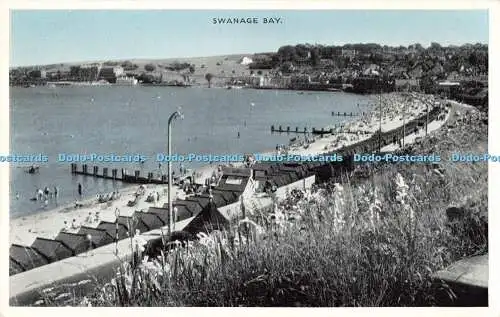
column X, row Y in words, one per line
column 83, row 282
column 139, row 243
column 85, row 302
column 63, row 295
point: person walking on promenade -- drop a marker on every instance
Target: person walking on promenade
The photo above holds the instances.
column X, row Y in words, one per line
column 56, row 191
column 80, row 189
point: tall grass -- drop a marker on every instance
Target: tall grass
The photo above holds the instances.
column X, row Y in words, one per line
column 370, row 245
column 375, row 243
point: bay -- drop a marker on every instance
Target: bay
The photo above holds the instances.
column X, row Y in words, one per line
column 133, row 120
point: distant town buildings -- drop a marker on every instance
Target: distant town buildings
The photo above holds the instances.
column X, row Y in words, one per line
column 348, row 53
column 111, row 73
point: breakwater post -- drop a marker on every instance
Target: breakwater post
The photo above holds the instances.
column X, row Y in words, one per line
column 124, row 177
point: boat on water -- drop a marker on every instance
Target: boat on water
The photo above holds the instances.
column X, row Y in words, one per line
column 234, row 87
column 54, row 84
column 33, row 169
column 126, row 81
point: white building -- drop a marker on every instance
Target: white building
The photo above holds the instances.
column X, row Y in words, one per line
column 246, row 60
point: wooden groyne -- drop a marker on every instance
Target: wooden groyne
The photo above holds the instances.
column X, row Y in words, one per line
column 288, row 129
column 346, row 114
column 118, row 175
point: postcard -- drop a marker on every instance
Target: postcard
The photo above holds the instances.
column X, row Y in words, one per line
column 248, row 157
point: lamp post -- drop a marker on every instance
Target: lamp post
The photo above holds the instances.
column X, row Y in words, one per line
column 427, row 113
column 380, row 122
column 404, row 113
column 173, row 116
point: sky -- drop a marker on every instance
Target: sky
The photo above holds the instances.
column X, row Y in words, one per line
column 41, row 37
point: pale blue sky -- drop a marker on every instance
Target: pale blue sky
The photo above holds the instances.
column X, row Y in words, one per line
column 51, row 36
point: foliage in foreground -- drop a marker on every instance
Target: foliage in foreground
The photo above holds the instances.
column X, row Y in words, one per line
column 371, row 244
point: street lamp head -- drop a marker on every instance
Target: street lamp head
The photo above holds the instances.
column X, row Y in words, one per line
column 175, row 115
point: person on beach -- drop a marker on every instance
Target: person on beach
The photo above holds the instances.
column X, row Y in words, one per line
column 97, row 217
column 39, row 194
column 73, row 224
column 45, row 203
column 17, row 195
column 66, row 226
column 79, row 189
column 56, row 191
column 89, row 218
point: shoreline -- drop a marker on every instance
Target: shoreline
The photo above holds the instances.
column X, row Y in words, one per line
column 24, row 229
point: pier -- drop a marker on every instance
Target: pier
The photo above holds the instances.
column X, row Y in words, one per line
column 123, row 175
column 346, row 114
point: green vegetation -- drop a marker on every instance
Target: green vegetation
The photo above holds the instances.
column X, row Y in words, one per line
column 149, row 67
column 367, row 243
column 209, row 77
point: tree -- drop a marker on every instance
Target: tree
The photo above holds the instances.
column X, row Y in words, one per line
column 209, row 78
column 435, row 46
column 287, row 53
column 418, row 47
column 149, row 67
column 315, row 56
column 35, row 74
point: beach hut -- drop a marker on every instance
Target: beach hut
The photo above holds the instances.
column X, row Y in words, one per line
column 218, row 199
column 182, row 212
column 78, row 243
column 110, row 228
column 162, row 213
column 234, row 179
column 53, row 250
column 127, row 222
column 228, row 195
column 193, row 206
column 14, row 267
column 99, row 237
column 26, row 257
column 207, row 220
column 148, row 221
column 202, row 200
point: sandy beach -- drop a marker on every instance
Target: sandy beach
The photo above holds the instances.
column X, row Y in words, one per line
column 396, row 110
column 24, row 230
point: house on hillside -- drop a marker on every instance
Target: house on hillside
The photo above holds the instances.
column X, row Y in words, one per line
column 246, row 61
column 348, row 53
column 111, row 73
column 416, row 72
column 406, row 84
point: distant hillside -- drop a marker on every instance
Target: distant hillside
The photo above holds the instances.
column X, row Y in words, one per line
column 221, row 66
